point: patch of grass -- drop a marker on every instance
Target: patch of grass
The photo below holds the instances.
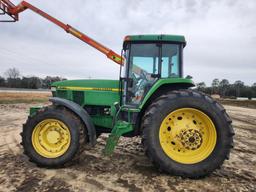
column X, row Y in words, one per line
column 23, row 101
column 30, row 97
column 240, row 103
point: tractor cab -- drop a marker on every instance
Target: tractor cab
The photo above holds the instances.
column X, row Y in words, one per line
column 149, row 58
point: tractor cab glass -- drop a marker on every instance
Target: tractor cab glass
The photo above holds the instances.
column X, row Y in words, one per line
column 146, row 63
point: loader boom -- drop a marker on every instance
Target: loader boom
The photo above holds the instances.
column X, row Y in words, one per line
column 13, row 11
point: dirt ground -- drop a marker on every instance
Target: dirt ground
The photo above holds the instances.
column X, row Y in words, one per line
column 128, row 169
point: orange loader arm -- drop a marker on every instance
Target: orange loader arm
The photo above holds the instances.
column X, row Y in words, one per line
column 13, row 11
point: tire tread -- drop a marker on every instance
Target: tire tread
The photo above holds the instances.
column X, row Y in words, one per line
column 147, row 120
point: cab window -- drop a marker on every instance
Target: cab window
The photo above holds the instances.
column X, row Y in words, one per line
column 170, row 61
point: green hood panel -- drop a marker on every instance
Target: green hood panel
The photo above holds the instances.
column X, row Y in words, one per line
column 96, row 96
column 88, row 83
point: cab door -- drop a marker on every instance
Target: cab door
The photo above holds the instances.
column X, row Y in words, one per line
column 142, row 71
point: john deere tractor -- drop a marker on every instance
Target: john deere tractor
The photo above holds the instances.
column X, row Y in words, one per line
column 184, row 132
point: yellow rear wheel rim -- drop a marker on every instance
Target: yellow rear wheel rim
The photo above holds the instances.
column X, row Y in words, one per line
column 51, row 138
column 187, row 135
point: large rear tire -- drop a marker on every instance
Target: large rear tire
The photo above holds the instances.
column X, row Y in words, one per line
column 187, row 133
column 52, row 137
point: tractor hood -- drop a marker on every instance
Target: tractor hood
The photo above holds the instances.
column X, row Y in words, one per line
column 88, row 84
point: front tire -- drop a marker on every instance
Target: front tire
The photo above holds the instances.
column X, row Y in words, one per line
column 52, row 137
column 187, row 133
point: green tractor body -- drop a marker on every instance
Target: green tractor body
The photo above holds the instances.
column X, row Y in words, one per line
column 98, row 97
column 183, row 132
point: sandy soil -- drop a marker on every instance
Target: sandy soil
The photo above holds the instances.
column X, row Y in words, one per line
column 128, row 169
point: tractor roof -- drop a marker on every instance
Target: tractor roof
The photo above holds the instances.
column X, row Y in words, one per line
column 166, row 38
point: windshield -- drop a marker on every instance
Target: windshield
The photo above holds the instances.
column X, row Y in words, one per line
column 144, row 58
column 144, row 67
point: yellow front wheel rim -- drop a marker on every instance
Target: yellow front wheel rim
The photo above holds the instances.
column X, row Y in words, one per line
column 187, row 135
column 51, row 138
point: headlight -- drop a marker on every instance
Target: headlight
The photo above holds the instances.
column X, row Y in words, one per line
column 53, row 89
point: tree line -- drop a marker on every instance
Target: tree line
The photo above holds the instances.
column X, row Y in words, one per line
column 14, row 79
column 223, row 87
column 228, row 90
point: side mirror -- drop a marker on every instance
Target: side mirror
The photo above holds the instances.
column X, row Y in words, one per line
column 189, row 77
column 155, row 75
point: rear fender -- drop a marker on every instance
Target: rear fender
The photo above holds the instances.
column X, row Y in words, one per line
column 158, row 89
column 165, row 85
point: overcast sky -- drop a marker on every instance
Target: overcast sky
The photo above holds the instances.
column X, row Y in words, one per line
column 220, row 34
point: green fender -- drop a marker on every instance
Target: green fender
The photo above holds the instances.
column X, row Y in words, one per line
column 177, row 82
column 81, row 112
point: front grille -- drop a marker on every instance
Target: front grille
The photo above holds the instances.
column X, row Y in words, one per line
column 78, row 97
column 98, row 110
column 62, row 94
